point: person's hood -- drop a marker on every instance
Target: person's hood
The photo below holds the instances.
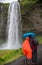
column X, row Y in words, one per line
column 27, row 38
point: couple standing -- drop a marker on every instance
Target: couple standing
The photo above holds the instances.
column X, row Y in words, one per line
column 29, row 48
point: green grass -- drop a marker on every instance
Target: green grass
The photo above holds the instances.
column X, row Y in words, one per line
column 39, row 38
column 9, row 55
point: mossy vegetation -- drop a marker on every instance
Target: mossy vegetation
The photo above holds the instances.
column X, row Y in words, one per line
column 25, row 4
column 39, row 38
column 9, row 55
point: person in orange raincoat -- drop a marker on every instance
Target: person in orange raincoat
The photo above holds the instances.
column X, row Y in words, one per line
column 26, row 49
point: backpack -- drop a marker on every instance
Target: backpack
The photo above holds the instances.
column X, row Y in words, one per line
column 33, row 42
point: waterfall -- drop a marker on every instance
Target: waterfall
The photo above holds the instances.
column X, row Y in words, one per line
column 14, row 27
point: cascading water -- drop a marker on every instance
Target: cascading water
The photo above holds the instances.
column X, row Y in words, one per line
column 14, row 33
column 14, row 27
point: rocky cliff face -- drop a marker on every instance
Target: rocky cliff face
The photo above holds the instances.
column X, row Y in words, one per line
column 3, row 19
column 31, row 19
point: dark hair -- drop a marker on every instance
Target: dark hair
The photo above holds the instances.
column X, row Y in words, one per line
column 30, row 36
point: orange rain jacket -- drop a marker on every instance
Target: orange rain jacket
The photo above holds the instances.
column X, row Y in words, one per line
column 27, row 51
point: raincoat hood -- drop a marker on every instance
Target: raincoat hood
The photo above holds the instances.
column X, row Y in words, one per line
column 27, row 38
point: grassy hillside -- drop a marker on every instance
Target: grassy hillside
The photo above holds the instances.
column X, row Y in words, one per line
column 9, row 55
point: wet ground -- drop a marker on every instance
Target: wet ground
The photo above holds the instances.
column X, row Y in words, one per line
column 21, row 60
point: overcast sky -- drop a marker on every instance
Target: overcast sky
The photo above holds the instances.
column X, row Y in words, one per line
column 7, row 1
